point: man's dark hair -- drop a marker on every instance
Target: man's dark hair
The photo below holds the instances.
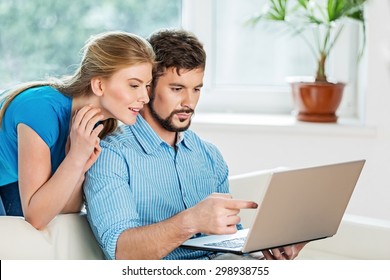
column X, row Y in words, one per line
column 176, row 48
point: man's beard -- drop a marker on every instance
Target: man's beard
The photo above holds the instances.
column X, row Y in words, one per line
column 167, row 123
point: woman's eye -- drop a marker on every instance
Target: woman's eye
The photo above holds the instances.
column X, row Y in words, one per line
column 134, row 86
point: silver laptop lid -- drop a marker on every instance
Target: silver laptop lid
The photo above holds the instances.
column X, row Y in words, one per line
column 306, row 203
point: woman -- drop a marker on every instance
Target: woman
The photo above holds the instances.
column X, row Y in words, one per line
column 50, row 131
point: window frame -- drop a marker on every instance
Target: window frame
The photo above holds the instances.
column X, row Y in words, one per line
column 199, row 17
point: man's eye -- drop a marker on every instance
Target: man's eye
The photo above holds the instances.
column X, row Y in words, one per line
column 176, row 89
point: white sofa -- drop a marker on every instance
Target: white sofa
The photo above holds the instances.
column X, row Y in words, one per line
column 70, row 237
column 357, row 238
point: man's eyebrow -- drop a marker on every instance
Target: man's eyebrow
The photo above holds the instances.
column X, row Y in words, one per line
column 176, row 85
column 181, row 85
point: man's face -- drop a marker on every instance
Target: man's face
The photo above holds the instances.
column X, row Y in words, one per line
column 173, row 101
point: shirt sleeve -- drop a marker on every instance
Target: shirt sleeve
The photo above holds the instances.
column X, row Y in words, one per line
column 40, row 117
column 222, row 171
column 109, row 201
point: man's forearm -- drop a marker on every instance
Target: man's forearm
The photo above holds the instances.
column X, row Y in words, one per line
column 154, row 241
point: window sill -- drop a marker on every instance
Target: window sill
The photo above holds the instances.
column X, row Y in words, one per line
column 282, row 124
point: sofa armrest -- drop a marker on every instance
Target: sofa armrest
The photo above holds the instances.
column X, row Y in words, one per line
column 357, row 238
column 68, row 236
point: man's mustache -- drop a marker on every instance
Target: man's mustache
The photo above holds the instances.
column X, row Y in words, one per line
column 187, row 111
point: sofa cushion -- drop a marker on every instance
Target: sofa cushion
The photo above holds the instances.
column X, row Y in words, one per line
column 68, row 236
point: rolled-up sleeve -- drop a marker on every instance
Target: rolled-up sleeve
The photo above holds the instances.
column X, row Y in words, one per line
column 109, row 200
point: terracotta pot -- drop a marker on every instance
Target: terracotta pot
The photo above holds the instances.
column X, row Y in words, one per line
column 317, row 101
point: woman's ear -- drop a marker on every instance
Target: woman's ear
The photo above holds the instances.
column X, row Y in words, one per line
column 97, row 86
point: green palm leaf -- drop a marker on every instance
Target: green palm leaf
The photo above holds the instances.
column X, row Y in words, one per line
column 299, row 14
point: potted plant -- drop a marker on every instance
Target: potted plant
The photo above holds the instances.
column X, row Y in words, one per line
column 316, row 101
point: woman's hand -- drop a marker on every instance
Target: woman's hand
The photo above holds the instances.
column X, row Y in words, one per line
column 83, row 143
column 95, row 154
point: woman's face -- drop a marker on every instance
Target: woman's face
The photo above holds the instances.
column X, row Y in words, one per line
column 125, row 92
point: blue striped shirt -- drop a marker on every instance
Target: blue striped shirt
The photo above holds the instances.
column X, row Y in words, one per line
column 139, row 180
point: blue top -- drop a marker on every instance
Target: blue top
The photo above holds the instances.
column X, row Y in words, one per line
column 139, row 179
column 47, row 112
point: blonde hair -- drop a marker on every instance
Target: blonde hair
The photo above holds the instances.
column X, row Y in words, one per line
column 103, row 55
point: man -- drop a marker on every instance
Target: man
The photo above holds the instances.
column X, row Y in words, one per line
column 156, row 183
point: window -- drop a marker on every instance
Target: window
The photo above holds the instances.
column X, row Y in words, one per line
column 248, row 66
column 43, row 38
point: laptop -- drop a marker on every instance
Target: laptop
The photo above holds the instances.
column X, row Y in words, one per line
column 295, row 205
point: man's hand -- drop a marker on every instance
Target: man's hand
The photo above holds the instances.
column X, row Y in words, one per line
column 218, row 214
column 284, row 253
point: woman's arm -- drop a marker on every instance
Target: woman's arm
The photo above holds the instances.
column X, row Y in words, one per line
column 76, row 200
column 43, row 195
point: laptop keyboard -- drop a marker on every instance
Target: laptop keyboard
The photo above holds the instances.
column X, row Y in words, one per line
column 230, row 243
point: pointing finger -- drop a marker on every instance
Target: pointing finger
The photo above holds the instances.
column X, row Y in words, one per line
column 241, row 204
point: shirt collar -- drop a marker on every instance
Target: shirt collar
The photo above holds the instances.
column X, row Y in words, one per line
column 183, row 138
column 150, row 141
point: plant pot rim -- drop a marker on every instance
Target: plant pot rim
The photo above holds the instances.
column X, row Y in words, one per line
column 320, row 84
column 309, row 80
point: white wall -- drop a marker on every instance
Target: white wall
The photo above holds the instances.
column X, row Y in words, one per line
column 248, row 147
